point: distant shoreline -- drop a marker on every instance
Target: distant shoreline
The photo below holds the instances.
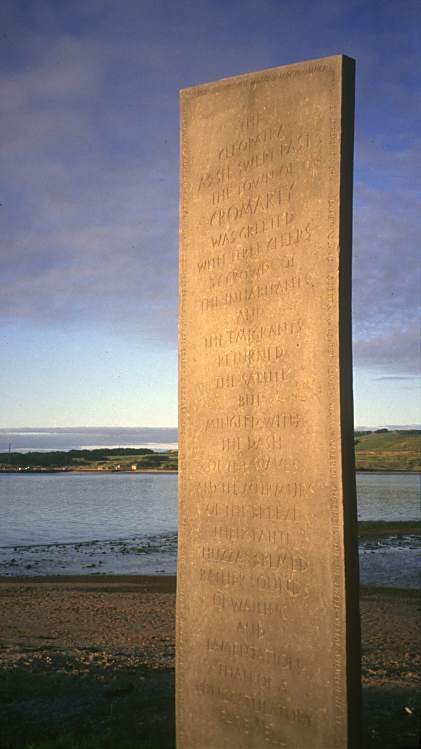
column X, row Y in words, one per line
column 94, row 471
column 143, row 471
column 388, row 470
column 157, row 583
column 384, row 451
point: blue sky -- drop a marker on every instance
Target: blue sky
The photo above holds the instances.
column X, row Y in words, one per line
column 89, row 193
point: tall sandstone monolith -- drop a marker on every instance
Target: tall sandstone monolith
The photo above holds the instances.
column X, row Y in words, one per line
column 267, row 611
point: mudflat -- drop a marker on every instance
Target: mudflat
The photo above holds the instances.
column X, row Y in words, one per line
column 89, row 662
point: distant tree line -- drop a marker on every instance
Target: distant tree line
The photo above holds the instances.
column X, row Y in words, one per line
column 383, row 430
column 62, row 459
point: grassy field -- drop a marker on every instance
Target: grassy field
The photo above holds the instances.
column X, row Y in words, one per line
column 382, row 528
column 388, row 451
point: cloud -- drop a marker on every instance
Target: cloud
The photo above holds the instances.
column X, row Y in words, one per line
column 386, row 272
column 67, row 438
column 90, row 134
column 89, row 206
column 394, row 378
column 397, row 351
column 387, row 278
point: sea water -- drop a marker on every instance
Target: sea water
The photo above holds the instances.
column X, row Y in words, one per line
column 126, row 523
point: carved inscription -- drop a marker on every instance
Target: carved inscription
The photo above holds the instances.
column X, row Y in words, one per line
column 252, row 220
column 255, row 224
column 257, row 400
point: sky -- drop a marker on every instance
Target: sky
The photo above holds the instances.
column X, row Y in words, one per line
column 89, row 194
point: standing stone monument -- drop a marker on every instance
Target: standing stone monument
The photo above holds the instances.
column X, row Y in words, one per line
column 267, row 610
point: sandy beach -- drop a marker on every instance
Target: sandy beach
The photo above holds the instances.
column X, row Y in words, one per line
column 90, row 659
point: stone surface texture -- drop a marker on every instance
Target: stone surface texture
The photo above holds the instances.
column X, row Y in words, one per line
column 267, row 598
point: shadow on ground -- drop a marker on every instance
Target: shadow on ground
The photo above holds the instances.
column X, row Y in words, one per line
column 54, row 702
column 391, row 718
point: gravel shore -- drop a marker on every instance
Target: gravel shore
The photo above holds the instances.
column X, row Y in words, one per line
column 94, row 656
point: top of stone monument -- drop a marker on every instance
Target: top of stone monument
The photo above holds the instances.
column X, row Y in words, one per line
column 283, row 71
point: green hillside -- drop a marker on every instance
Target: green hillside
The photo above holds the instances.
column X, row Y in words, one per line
column 385, row 450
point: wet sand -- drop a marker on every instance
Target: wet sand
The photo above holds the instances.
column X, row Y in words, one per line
column 95, row 655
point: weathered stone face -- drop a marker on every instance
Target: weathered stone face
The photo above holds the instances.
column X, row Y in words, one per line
column 267, row 612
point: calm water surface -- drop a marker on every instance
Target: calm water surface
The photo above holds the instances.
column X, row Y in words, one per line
column 127, row 523
column 388, row 496
column 51, row 508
